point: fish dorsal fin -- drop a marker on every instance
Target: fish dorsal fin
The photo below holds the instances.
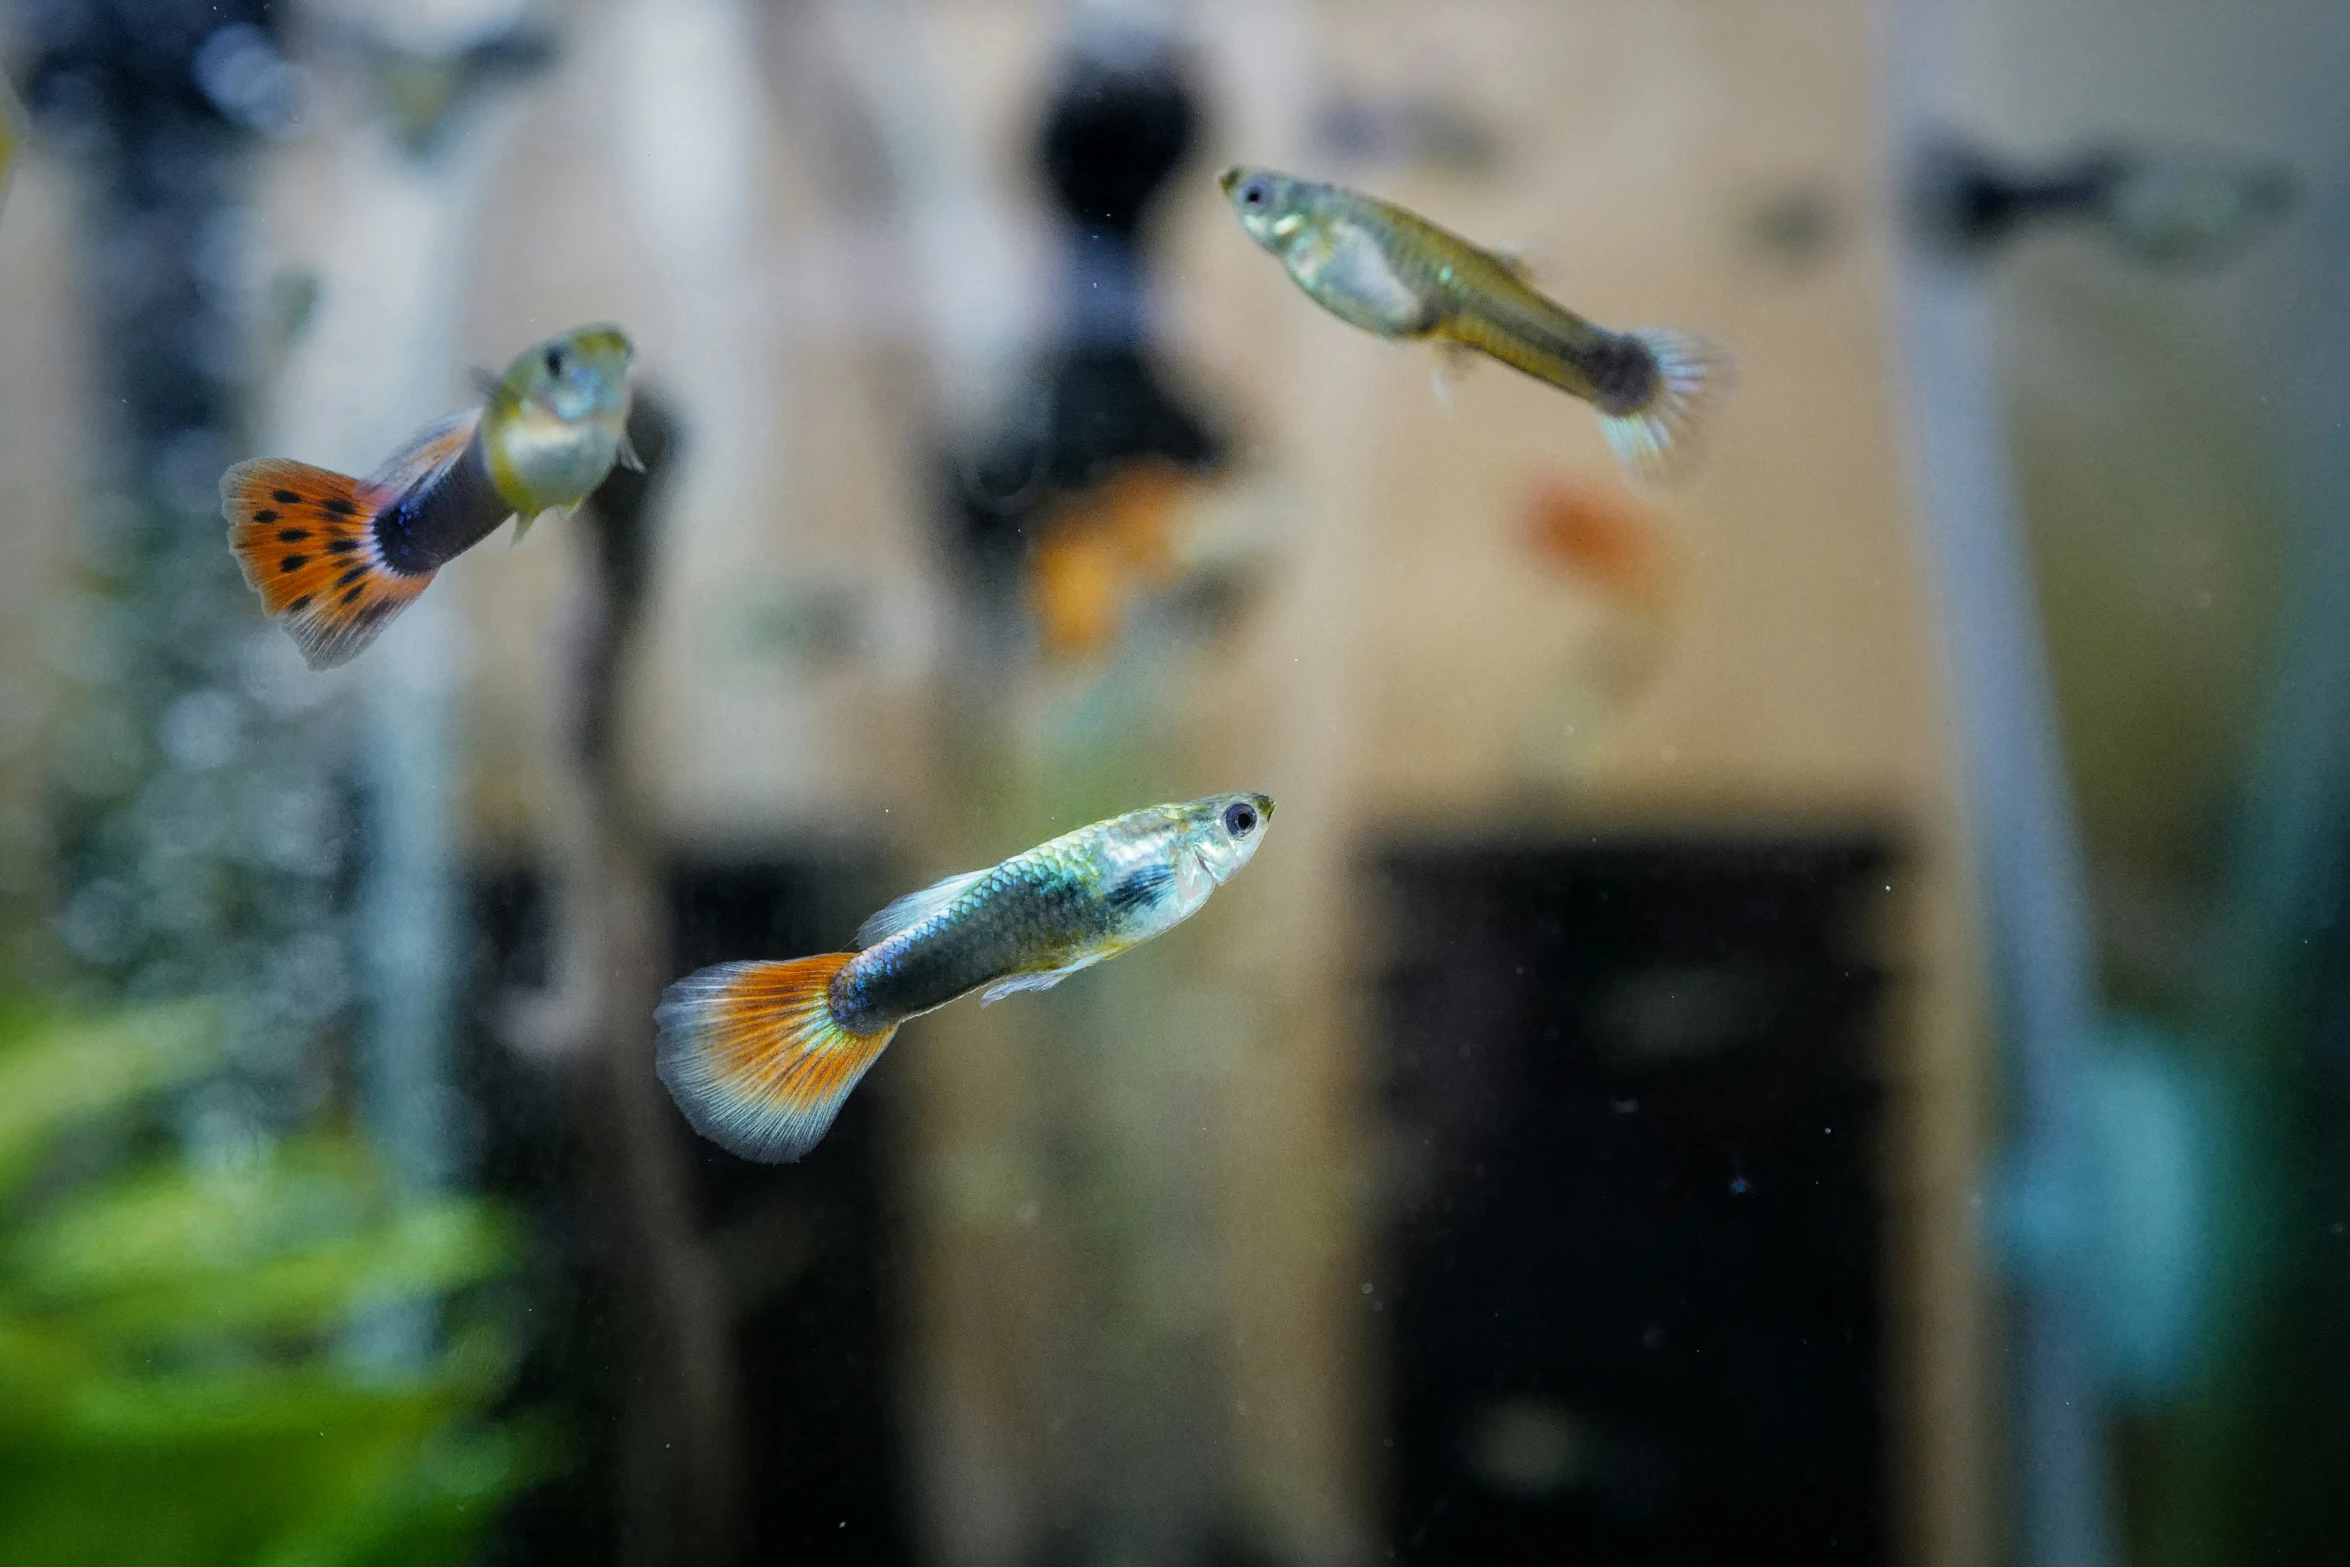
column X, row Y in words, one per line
column 425, row 453
column 913, row 909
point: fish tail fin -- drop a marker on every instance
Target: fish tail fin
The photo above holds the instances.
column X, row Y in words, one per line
column 752, row 1054
column 1657, row 439
column 306, row 539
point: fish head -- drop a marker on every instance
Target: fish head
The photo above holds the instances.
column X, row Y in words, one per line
column 1221, row 832
column 1271, row 206
column 579, row 377
column 556, row 418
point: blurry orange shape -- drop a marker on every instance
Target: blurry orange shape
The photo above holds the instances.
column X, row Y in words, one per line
column 1097, row 552
column 1610, row 540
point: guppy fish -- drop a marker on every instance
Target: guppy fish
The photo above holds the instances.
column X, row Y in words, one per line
column 759, row 1056
column 1390, row 271
column 338, row 557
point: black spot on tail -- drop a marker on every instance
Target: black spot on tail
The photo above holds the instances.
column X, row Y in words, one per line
column 285, row 497
column 1626, row 376
column 298, row 605
column 265, row 516
column 342, row 546
column 292, row 535
column 352, row 597
column 293, row 563
column 351, row 576
column 342, row 508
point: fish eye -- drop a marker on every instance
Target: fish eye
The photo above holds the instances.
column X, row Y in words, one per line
column 1240, row 818
column 554, row 361
column 1255, row 193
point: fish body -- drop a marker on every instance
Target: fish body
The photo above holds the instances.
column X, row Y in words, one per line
column 336, row 558
column 1390, row 271
column 760, row 1055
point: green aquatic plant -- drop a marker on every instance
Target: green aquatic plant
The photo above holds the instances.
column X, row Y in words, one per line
column 186, row 1371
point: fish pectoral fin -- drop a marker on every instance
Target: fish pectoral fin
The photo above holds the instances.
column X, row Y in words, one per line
column 1454, row 360
column 626, row 455
column 912, row 909
column 1044, row 981
column 481, row 379
column 524, row 519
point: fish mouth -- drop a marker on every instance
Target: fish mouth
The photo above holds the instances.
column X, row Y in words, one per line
column 1229, row 178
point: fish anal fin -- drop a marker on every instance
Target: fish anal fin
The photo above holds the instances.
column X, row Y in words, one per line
column 753, row 1056
column 305, row 538
column 912, row 909
column 1454, row 361
column 1044, row 980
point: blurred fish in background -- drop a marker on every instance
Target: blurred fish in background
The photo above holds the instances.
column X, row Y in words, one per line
column 2171, row 207
column 1623, row 553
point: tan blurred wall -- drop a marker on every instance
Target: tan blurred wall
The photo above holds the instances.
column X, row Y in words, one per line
column 1404, row 656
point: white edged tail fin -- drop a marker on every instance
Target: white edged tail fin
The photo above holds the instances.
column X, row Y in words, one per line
column 753, row 1056
column 1657, row 440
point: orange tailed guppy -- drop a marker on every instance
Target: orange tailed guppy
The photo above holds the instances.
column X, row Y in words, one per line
column 759, row 1056
column 336, row 557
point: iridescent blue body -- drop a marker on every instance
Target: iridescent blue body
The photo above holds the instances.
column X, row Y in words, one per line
column 760, row 1055
column 1035, row 918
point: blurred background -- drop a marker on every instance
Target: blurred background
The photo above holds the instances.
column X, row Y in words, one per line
column 1798, row 1017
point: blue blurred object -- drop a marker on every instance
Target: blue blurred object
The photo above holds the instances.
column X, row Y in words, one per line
column 2130, row 1232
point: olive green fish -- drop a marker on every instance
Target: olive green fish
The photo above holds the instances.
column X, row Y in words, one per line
column 1390, row 271
column 336, row 558
column 759, row 1056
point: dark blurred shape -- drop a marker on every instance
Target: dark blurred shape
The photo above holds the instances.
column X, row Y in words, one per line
column 11, row 136
column 622, row 517
column 800, row 1263
column 1798, row 227
column 1423, row 131
column 1634, row 1283
column 1116, row 127
column 427, row 96
column 1120, row 122
column 2165, row 207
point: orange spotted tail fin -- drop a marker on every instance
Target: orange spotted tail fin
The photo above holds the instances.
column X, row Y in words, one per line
column 306, row 538
column 752, row 1055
